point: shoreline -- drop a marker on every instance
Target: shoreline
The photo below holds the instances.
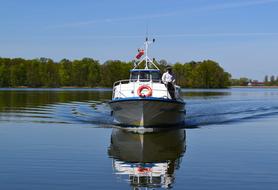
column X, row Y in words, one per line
column 253, row 87
column 98, row 87
column 61, row 87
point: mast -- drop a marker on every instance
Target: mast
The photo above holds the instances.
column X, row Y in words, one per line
column 146, row 58
column 146, row 51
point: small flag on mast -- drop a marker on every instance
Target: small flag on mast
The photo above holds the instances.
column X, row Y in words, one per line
column 140, row 53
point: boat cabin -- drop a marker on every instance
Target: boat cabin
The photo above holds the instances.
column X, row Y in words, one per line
column 145, row 75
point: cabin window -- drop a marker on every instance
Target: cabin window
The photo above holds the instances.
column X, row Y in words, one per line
column 145, row 76
column 134, row 76
column 156, row 76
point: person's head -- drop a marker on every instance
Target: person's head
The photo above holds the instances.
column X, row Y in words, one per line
column 169, row 69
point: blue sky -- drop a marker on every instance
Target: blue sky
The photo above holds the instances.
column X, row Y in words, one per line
column 242, row 35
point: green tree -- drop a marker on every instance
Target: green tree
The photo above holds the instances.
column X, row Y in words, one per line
column 208, row 74
column 33, row 75
column 5, row 72
column 18, row 72
column 65, row 72
column 112, row 71
column 52, row 74
column 93, row 77
column 243, row 81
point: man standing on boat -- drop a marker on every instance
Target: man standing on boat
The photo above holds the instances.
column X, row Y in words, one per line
column 168, row 80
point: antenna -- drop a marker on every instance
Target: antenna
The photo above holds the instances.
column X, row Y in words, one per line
column 147, row 31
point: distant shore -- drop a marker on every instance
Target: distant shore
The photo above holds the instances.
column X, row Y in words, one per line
column 253, row 86
column 88, row 87
column 65, row 87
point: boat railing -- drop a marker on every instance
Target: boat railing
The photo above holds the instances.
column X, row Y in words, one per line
column 125, row 81
column 118, row 86
column 119, row 83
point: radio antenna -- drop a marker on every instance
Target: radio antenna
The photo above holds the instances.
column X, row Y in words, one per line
column 147, row 31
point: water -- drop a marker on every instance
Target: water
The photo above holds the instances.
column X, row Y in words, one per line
column 65, row 139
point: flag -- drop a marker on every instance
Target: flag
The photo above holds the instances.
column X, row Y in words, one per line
column 140, row 54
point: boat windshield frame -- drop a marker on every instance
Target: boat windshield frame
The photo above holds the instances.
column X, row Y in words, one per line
column 145, row 75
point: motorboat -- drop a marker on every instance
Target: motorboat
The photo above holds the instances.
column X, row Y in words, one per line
column 143, row 100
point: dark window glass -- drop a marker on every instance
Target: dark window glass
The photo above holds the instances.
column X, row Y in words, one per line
column 155, row 76
column 134, row 76
column 144, row 75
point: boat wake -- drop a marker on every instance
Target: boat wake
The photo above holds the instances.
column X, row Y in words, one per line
column 218, row 112
column 98, row 114
column 92, row 112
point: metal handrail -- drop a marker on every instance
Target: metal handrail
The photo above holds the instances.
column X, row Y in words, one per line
column 134, row 80
column 126, row 81
column 120, row 91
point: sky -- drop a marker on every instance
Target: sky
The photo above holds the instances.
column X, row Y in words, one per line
column 241, row 35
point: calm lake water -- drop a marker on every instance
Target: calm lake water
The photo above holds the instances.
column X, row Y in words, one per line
column 65, row 139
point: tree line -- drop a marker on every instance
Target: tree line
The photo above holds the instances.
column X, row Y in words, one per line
column 243, row 81
column 87, row 72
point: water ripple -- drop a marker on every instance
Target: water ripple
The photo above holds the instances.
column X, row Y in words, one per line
column 203, row 108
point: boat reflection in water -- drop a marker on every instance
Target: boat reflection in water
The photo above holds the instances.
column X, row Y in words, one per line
column 147, row 160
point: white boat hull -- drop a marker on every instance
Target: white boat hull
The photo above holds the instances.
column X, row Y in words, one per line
column 148, row 112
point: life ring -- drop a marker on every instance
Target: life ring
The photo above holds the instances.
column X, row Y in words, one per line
column 144, row 91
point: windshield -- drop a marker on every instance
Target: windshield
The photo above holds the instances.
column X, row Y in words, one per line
column 156, row 76
column 145, row 75
column 134, row 76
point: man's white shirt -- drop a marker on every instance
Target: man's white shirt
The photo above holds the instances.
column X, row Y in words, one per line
column 167, row 77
